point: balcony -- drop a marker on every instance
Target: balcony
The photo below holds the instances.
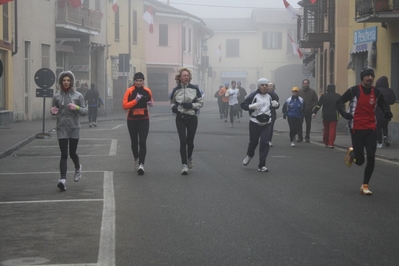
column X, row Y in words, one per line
column 384, row 11
column 80, row 19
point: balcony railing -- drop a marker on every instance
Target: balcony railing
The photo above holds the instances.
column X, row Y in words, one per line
column 79, row 18
column 372, row 7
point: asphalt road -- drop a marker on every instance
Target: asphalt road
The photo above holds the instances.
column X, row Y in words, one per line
column 307, row 210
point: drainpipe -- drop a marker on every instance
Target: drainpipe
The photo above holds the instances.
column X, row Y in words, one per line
column 182, row 40
column 16, row 27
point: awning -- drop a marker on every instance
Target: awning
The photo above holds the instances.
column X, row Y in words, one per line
column 64, row 48
column 360, row 48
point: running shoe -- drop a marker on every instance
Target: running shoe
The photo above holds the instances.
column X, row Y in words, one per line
column 270, row 144
column 379, row 145
column 246, row 160
column 62, row 184
column 184, row 170
column 263, row 169
column 90, row 124
column 386, row 142
column 141, row 169
column 292, row 144
column 190, row 163
column 364, row 189
column 78, row 174
column 348, row 158
column 95, row 124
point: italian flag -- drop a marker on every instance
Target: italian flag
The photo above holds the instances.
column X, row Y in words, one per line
column 114, row 5
column 4, row 1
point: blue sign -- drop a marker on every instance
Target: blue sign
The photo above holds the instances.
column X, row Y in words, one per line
column 365, row 35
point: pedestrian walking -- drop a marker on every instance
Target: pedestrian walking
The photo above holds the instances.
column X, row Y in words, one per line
column 329, row 115
column 136, row 100
column 293, row 110
column 225, row 100
column 233, row 94
column 185, row 100
column 220, row 103
column 363, row 100
column 67, row 105
column 259, row 105
column 382, row 123
column 271, row 88
column 310, row 97
column 93, row 101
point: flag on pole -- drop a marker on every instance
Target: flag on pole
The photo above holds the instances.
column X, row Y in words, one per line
column 295, row 47
column 313, row 1
column 149, row 18
column 114, row 5
column 218, row 52
column 291, row 11
column 4, row 1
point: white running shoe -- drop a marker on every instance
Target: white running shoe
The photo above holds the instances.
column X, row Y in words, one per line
column 246, row 160
column 62, row 184
column 379, row 145
column 292, row 144
column 263, row 169
column 184, row 170
column 190, row 163
column 270, row 144
column 141, row 169
column 78, row 174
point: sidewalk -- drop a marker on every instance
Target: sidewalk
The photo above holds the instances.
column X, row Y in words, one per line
column 19, row 134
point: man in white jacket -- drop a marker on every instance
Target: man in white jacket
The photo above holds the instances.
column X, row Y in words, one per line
column 233, row 93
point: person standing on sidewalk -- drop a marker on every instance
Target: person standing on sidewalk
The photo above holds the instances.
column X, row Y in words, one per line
column 185, row 99
column 233, row 94
column 382, row 123
column 259, row 105
column 93, row 101
column 136, row 100
column 271, row 88
column 67, row 105
column 329, row 115
column 310, row 97
column 293, row 110
column 363, row 100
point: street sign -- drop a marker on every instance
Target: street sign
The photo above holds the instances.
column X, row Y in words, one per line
column 44, row 78
column 46, row 93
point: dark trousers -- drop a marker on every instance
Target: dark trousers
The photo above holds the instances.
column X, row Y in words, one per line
column 330, row 132
column 221, row 110
column 225, row 108
column 138, row 131
column 186, row 129
column 73, row 145
column 295, row 126
column 361, row 140
column 308, row 121
column 382, row 130
column 233, row 112
column 93, row 114
column 257, row 133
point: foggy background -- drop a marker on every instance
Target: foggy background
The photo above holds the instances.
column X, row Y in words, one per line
column 225, row 8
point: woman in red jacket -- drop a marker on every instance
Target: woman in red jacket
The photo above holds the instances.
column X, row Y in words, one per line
column 136, row 100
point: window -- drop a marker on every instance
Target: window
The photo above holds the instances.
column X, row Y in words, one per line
column 272, row 40
column 163, row 35
column 184, row 38
column 232, row 48
column 134, row 27
column 45, row 56
column 117, row 37
column 5, row 23
column 189, row 40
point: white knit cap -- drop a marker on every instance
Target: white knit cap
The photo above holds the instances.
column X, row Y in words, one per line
column 262, row 81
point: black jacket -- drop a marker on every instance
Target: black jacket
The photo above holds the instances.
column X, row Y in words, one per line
column 389, row 97
column 328, row 102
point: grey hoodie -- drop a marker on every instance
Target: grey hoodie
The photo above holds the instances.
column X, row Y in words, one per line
column 68, row 125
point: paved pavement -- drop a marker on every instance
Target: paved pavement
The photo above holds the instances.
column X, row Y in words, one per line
column 18, row 134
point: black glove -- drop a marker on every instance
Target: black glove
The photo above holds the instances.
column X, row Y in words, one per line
column 347, row 116
column 174, row 109
column 284, row 117
column 187, row 105
column 388, row 115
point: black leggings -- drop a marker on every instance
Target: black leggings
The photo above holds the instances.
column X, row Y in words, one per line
column 382, row 130
column 186, row 129
column 364, row 139
column 93, row 114
column 295, row 126
column 138, row 131
column 73, row 145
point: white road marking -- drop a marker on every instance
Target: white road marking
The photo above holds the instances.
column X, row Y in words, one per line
column 114, row 145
